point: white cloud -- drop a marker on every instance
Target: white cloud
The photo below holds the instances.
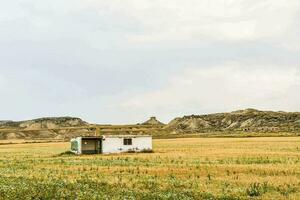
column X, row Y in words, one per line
column 134, row 22
column 232, row 20
column 223, row 88
column 98, row 53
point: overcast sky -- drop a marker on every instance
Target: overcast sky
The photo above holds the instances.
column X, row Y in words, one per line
column 122, row 61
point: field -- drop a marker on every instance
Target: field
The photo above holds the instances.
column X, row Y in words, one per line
column 189, row 168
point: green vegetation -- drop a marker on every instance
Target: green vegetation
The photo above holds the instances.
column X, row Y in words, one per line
column 190, row 168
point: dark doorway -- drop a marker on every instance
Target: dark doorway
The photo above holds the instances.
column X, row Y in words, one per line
column 91, row 145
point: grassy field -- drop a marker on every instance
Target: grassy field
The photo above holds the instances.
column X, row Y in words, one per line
column 189, row 168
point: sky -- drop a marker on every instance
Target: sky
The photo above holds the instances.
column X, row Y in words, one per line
column 123, row 61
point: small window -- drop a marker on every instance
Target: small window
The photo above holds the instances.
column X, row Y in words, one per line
column 128, row 141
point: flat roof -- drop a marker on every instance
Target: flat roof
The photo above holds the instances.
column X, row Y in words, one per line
column 113, row 136
column 125, row 136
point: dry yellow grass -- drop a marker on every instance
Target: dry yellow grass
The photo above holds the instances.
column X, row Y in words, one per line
column 190, row 168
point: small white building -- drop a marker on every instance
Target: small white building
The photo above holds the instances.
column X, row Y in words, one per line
column 111, row 144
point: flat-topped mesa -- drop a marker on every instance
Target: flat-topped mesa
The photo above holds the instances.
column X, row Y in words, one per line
column 44, row 123
column 44, row 128
column 153, row 121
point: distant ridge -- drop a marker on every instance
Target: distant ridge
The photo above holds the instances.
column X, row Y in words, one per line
column 44, row 123
column 240, row 121
column 248, row 120
column 47, row 127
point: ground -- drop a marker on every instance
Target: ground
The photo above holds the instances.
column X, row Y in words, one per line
column 190, row 168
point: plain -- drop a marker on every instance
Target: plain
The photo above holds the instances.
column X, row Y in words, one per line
column 181, row 168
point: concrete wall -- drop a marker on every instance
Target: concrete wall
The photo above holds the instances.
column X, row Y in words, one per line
column 115, row 144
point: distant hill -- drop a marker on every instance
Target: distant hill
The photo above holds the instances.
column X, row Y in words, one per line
column 42, row 128
column 153, row 121
column 44, row 123
column 249, row 120
column 64, row 128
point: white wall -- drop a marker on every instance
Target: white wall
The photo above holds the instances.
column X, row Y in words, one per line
column 115, row 144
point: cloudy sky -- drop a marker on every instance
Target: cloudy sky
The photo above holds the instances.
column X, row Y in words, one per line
column 122, row 61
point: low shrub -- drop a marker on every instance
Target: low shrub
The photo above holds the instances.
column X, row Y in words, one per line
column 257, row 189
column 66, row 153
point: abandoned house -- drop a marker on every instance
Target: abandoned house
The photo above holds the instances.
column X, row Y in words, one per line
column 111, row 144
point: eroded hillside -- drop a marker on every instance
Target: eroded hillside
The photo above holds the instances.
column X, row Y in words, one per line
column 55, row 128
column 249, row 120
column 242, row 121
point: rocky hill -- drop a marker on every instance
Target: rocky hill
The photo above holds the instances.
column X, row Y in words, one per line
column 53, row 127
column 153, row 121
column 64, row 128
column 44, row 123
column 249, row 120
